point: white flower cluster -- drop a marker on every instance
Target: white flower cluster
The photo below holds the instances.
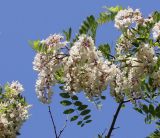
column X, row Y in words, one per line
column 13, row 110
column 47, row 64
column 132, row 71
column 156, row 31
column 125, row 42
column 84, row 67
column 86, row 70
column 126, row 17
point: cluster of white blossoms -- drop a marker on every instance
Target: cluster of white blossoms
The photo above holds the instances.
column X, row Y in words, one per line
column 132, row 71
column 47, row 63
column 86, row 70
column 156, row 31
column 126, row 17
column 13, row 110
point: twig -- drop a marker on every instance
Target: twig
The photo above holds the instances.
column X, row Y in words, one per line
column 61, row 131
column 54, row 126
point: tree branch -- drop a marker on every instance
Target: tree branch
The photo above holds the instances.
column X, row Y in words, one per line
column 54, row 126
column 116, row 115
column 114, row 120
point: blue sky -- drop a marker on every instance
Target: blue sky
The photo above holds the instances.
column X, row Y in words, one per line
column 24, row 20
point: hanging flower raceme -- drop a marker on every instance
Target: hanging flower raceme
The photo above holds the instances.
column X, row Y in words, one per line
column 126, row 17
column 86, row 69
column 47, row 62
column 13, row 110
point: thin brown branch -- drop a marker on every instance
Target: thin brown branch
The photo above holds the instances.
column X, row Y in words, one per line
column 54, row 126
column 116, row 115
column 61, row 131
column 114, row 120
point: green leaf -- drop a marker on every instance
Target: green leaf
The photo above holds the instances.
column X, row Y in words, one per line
column 145, row 108
column 79, row 123
column 68, row 111
column 82, row 125
column 59, row 75
column 114, row 9
column 86, row 117
column 35, row 44
column 109, row 14
column 82, row 107
column 74, row 118
column 85, row 112
column 156, row 16
column 88, row 121
column 99, row 136
column 74, row 97
column 138, row 110
column 151, row 109
column 64, row 95
column 105, row 49
column 78, row 103
column 66, row 102
column 68, row 34
column 103, row 97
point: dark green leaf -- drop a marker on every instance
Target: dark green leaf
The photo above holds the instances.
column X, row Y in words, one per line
column 74, row 97
column 145, row 108
column 78, row 103
column 88, row 121
column 103, row 97
column 65, row 95
column 105, row 49
column 68, row 111
column 82, row 125
column 74, row 118
column 82, row 107
column 79, row 123
column 66, row 102
column 85, row 112
column 138, row 109
column 86, row 117
column 151, row 109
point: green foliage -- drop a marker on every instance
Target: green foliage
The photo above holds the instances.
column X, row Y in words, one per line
column 155, row 134
column 68, row 34
column 79, row 112
column 109, row 14
column 59, row 76
column 156, row 16
column 38, row 46
column 105, row 49
column 89, row 26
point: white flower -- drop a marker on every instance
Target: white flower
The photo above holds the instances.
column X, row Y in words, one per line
column 13, row 111
column 15, row 85
column 126, row 17
column 54, row 41
column 156, row 31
